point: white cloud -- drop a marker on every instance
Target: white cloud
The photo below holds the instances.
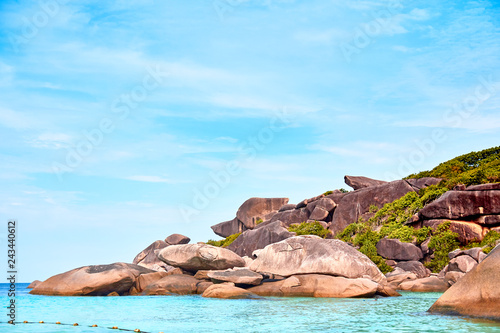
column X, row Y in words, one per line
column 52, row 141
column 149, row 179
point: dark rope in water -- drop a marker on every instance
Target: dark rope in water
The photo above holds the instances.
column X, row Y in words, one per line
column 115, row 328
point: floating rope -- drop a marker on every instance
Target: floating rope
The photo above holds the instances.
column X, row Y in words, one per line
column 75, row 324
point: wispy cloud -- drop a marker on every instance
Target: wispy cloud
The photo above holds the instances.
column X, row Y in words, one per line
column 149, row 179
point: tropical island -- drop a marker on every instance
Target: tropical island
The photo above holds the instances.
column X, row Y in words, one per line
column 437, row 230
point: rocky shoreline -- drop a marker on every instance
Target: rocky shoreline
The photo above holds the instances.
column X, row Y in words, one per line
column 266, row 258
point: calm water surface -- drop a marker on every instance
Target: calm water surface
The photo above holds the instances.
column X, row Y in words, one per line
column 197, row 314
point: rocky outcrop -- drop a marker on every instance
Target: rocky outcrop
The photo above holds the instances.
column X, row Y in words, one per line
column 358, row 182
column 396, row 250
column 237, row 276
column 99, row 280
column 476, row 294
column 195, row 257
column 425, row 285
column 148, row 257
column 176, row 239
column 290, row 217
column 316, row 285
column 248, row 214
column 144, row 280
column 355, row 205
column 173, row 285
column 252, row 240
column 228, row 291
column 415, row 267
column 33, row 284
column 314, row 255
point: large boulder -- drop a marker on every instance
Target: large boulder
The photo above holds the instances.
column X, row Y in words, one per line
column 33, row 284
column 425, row 285
column 228, row 228
column 98, row 280
column 290, row 217
column 462, row 264
column 145, row 280
column 355, row 205
column 476, row 294
column 259, row 238
column 317, row 285
column 421, row 183
column 237, row 276
column 259, row 208
column 148, row 257
column 396, row 250
column 467, row 231
column 359, row 182
column 415, row 267
column 462, row 204
column 314, row 255
column 195, row 257
column 484, row 187
column 228, row 291
column 176, row 239
column 173, row 285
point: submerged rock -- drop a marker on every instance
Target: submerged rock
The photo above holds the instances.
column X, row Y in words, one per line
column 314, row 255
column 476, row 294
column 99, row 280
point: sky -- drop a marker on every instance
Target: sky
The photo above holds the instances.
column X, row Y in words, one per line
column 122, row 122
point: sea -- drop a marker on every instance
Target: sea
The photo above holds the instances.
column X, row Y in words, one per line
column 198, row 314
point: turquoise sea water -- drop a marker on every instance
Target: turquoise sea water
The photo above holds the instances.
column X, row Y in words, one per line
column 197, row 314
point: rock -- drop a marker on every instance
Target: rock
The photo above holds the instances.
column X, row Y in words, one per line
column 314, row 255
column 482, row 256
column 487, row 220
column 425, row 285
column 34, row 284
column 453, row 277
column 173, row 285
column 202, row 275
column 176, row 239
column 290, row 217
column 319, row 214
column 467, row 231
column 252, row 240
column 259, row 208
column 476, row 294
column 462, row 264
column 286, row 207
column 484, row 187
column 113, row 294
column 387, row 291
column 443, row 272
column 455, row 253
column 305, row 202
column 228, row 228
column 195, row 257
column 202, row 286
column 425, row 247
column 99, row 280
column 462, row 204
column 421, row 183
column 248, row 260
column 355, row 205
column 148, row 257
column 227, row 291
column 240, row 276
column 475, row 253
column 396, row 250
column 145, row 280
column 414, row 267
column 326, row 203
column 394, row 281
column 359, row 182
column 317, row 285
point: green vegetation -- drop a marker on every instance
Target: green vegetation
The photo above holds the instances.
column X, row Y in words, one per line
column 343, row 190
column 389, row 221
column 488, row 242
column 442, row 242
column 313, row 228
column 328, row 193
column 469, row 169
column 373, row 209
column 259, row 221
column 224, row 242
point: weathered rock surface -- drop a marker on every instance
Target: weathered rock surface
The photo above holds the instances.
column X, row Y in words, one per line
column 462, row 204
column 355, row 205
column 228, row 228
column 325, row 203
column 359, row 182
column 421, row 183
column 173, row 285
column 33, row 284
column 228, row 291
column 176, row 239
column 319, row 214
column 399, row 276
column 290, row 217
column 314, row 255
column 287, row 207
column 467, row 231
column 462, row 264
column 429, row 284
column 487, row 220
column 195, row 257
column 317, row 285
column 145, row 280
column 476, row 294
column 259, row 208
column 259, row 238
column 415, row 267
column 484, row 187
column 396, row 250
column 148, row 257
column 99, row 280
column 453, row 277
column 237, row 276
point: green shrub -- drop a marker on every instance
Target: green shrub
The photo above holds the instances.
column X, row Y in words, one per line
column 259, row 221
column 224, row 242
column 313, row 228
column 343, row 190
column 373, row 209
column 442, row 242
column 328, row 193
column 488, row 242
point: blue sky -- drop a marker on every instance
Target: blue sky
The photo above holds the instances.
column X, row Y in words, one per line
column 118, row 117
